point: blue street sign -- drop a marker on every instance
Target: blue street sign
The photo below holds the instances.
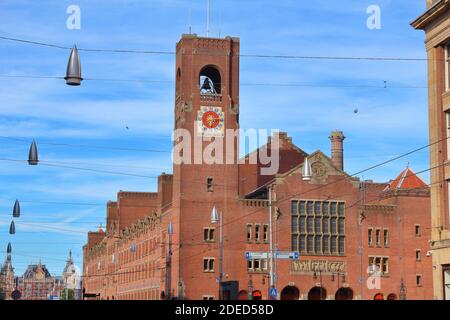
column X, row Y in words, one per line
column 256, row 255
column 273, row 293
column 287, row 255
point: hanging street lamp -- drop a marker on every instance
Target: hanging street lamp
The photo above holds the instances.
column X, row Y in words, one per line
column 73, row 73
column 306, row 171
column 33, row 158
column 12, row 228
column 16, row 209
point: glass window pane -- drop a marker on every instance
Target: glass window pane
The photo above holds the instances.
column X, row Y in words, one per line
column 294, row 207
column 317, row 225
column 333, row 226
column 310, row 244
column 326, row 245
column 294, row 224
column 317, row 243
column 341, row 245
column 302, row 225
column 310, row 225
column 302, row 208
column 294, row 242
column 341, row 226
column 333, row 208
column 325, row 209
column 341, row 209
column 309, row 208
column 302, row 244
column 325, row 225
column 317, row 208
column 333, row 244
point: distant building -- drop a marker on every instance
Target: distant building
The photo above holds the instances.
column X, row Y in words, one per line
column 71, row 279
column 38, row 284
column 347, row 232
column 7, row 276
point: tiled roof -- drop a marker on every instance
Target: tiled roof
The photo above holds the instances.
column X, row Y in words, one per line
column 407, row 179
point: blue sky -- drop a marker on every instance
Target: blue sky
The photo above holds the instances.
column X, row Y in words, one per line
column 389, row 121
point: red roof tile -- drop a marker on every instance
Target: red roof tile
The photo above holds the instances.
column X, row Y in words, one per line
column 407, row 180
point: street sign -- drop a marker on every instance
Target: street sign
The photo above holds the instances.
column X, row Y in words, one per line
column 16, row 295
column 287, row 255
column 273, row 293
column 256, row 255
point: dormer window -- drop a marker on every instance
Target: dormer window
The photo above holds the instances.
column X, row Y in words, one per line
column 210, row 81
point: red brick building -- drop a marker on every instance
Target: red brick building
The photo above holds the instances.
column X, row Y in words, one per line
column 38, row 284
column 337, row 223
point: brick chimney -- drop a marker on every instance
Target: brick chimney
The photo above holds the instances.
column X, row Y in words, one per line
column 337, row 149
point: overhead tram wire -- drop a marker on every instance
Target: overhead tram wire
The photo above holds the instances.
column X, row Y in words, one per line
column 145, row 269
column 172, row 53
column 257, row 84
column 115, row 273
column 338, row 180
column 322, row 186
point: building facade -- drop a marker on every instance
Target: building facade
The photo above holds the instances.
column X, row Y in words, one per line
column 436, row 24
column 38, row 284
column 355, row 239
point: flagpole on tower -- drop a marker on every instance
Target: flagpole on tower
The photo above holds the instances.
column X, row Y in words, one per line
column 208, row 18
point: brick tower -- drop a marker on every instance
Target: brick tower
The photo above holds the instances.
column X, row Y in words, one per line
column 206, row 106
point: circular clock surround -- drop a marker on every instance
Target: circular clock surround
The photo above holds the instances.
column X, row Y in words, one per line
column 210, row 119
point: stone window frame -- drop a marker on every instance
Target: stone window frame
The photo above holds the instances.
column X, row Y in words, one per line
column 263, row 267
column 207, row 235
column 370, row 237
column 306, row 211
column 419, row 279
column 257, row 232
column 249, row 232
column 386, row 238
column 417, row 230
column 265, row 233
column 384, row 263
column 208, row 268
column 378, row 237
column 418, row 255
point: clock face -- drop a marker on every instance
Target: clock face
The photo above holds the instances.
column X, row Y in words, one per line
column 210, row 122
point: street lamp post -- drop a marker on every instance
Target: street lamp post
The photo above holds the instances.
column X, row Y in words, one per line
column 215, row 217
column 169, row 263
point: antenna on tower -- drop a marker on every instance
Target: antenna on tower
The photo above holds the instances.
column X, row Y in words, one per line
column 208, row 18
column 190, row 20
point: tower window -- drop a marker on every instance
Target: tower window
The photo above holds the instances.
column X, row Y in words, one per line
column 378, row 237
column 417, row 230
column 210, row 81
column 419, row 280
column 386, row 237
column 209, row 184
column 369, row 240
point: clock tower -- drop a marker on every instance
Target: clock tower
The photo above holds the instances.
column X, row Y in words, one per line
column 206, row 153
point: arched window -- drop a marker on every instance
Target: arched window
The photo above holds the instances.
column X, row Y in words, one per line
column 178, row 81
column 392, row 296
column 344, row 294
column 317, row 293
column 210, row 81
column 290, row 293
